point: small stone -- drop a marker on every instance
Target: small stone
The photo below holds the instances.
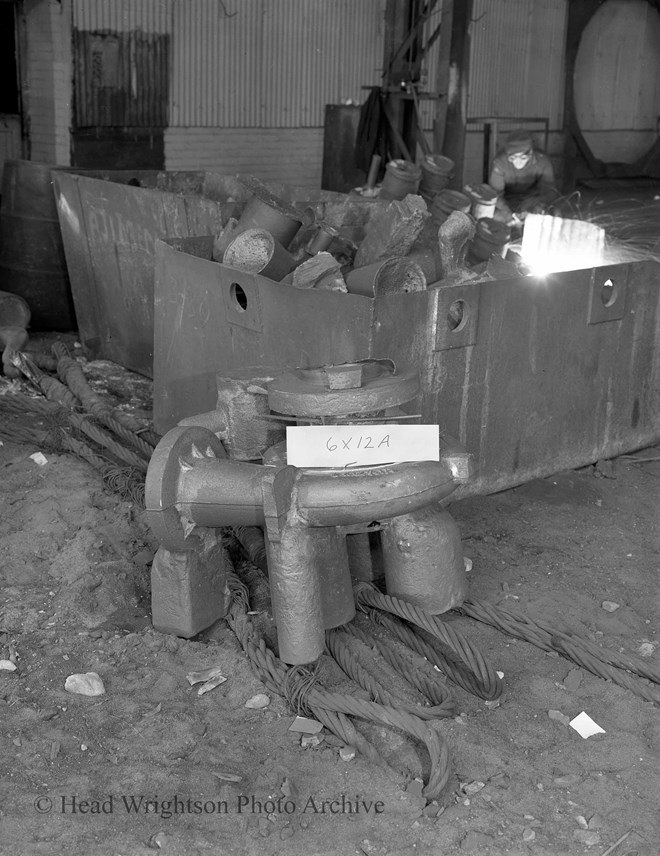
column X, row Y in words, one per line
column 476, row 841
column 558, row 716
column 415, row 787
column 573, row 680
column 567, row 781
column 303, row 725
column 610, row 605
column 432, row 809
column 7, row 666
column 528, row 834
column 582, row 822
column 470, row 788
column 288, row 788
column 647, row 648
column 347, row 753
column 257, row 702
column 308, row 741
column 158, row 841
column 587, row 837
column 88, row 684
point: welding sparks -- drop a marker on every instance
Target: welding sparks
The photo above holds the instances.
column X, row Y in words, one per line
column 552, row 244
column 617, row 231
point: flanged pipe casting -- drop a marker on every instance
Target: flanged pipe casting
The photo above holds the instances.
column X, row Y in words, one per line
column 306, row 513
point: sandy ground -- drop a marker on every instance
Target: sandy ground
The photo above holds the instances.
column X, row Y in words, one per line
column 153, row 765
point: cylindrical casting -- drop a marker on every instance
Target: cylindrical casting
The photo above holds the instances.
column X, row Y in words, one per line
column 490, row 237
column 436, row 172
column 401, row 178
column 423, row 560
column 483, row 199
column 320, row 242
column 257, row 251
column 331, row 565
column 295, row 592
column 391, row 276
column 14, row 310
column 446, row 202
column 265, row 211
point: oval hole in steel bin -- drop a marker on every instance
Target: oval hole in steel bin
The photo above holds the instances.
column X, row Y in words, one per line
column 238, row 297
column 457, row 315
column 608, row 293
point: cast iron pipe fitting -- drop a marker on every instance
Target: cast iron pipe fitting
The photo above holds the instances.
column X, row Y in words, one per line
column 191, row 483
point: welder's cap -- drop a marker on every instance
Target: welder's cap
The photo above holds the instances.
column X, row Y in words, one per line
column 518, row 141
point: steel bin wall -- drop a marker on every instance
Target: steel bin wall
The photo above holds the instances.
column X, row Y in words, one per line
column 532, row 376
column 541, row 374
column 32, row 262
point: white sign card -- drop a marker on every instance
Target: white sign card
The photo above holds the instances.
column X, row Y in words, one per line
column 344, row 446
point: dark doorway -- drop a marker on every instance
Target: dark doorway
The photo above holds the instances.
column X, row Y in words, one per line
column 10, row 102
column 120, row 99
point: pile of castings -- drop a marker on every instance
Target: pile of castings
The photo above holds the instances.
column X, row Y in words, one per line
column 370, row 247
column 75, row 419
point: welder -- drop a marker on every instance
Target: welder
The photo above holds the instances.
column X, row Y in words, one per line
column 524, row 179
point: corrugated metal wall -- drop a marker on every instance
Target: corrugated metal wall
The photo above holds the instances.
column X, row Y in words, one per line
column 150, row 16
column 276, row 63
column 517, row 59
column 254, row 63
column 271, row 63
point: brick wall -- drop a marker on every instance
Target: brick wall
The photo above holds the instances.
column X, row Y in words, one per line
column 288, row 155
column 46, row 80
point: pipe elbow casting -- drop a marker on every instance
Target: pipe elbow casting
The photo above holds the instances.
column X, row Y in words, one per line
column 191, row 482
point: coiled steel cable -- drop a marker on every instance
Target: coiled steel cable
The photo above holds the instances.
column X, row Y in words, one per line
column 430, row 684
column 610, row 665
column 274, row 675
column 126, row 481
column 346, row 659
column 122, row 424
column 105, row 439
column 463, row 663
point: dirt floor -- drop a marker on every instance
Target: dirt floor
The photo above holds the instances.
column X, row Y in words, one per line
column 151, row 764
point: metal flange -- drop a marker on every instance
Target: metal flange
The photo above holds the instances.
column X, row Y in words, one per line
column 370, row 385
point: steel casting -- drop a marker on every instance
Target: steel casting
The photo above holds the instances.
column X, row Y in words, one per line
column 308, row 514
